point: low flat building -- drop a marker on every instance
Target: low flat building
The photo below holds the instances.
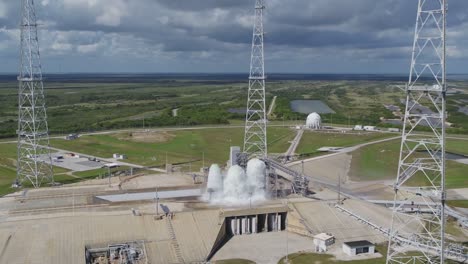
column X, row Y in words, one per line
column 323, row 241
column 72, row 137
column 354, row 248
column 358, row 127
column 370, row 128
column 119, row 156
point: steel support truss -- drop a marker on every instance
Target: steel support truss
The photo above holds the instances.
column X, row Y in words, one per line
column 255, row 137
column 34, row 162
column 418, row 235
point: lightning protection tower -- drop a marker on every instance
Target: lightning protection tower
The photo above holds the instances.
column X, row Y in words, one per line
column 34, row 159
column 255, row 137
column 418, row 223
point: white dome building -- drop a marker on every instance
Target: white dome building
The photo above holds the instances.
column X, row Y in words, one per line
column 314, row 121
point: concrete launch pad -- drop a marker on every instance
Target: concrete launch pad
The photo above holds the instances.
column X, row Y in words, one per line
column 58, row 225
column 68, row 220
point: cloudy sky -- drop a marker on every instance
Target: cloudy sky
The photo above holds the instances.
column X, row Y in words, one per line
column 304, row 36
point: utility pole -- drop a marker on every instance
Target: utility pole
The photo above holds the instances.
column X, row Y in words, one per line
column 110, row 175
column 422, row 154
column 255, row 136
column 286, row 261
column 339, row 189
column 203, row 162
column 156, row 198
column 302, row 167
column 34, row 161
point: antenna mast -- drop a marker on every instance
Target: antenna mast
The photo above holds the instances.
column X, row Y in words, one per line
column 34, row 158
column 418, row 225
column 255, row 137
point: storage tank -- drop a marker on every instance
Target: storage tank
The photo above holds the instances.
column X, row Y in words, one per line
column 314, row 121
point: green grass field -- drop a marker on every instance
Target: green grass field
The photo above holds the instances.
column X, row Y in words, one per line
column 311, row 141
column 380, row 162
column 182, row 146
column 313, row 258
column 457, row 146
column 8, row 168
column 458, row 203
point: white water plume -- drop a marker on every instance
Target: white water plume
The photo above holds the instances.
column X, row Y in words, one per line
column 239, row 187
column 256, row 177
column 215, row 179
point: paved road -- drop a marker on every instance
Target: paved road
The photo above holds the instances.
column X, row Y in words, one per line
column 132, row 197
column 121, row 163
column 167, row 129
column 272, row 106
column 343, row 150
column 108, row 132
column 332, row 184
column 292, row 149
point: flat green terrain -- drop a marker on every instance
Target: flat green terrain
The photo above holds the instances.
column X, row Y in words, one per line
column 380, row 162
column 312, row 141
column 180, row 146
column 313, row 258
column 458, row 203
column 457, row 146
column 8, row 168
column 94, row 103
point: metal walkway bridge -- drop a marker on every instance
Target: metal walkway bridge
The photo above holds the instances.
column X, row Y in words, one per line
column 300, row 182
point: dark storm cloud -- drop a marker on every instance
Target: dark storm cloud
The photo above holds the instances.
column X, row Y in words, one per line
column 169, row 31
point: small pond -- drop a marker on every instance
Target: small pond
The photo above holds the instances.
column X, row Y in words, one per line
column 310, row 106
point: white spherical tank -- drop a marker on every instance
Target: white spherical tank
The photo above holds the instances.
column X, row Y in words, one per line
column 314, row 121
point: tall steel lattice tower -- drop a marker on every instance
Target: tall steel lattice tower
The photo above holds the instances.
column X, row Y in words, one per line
column 418, row 226
column 255, row 137
column 34, row 158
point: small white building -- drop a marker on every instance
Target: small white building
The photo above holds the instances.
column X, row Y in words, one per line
column 323, row 241
column 358, row 247
column 72, row 137
column 393, row 130
column 119, row 156
column 358, row 127
column 370, row 128
column 111, row 165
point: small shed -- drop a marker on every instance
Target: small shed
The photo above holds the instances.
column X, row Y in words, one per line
column 71, row 137
column 370, row 128
column 119, row 156
column 358, row 127
column 354, row 248
column 323, row 241
column 111, row 165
